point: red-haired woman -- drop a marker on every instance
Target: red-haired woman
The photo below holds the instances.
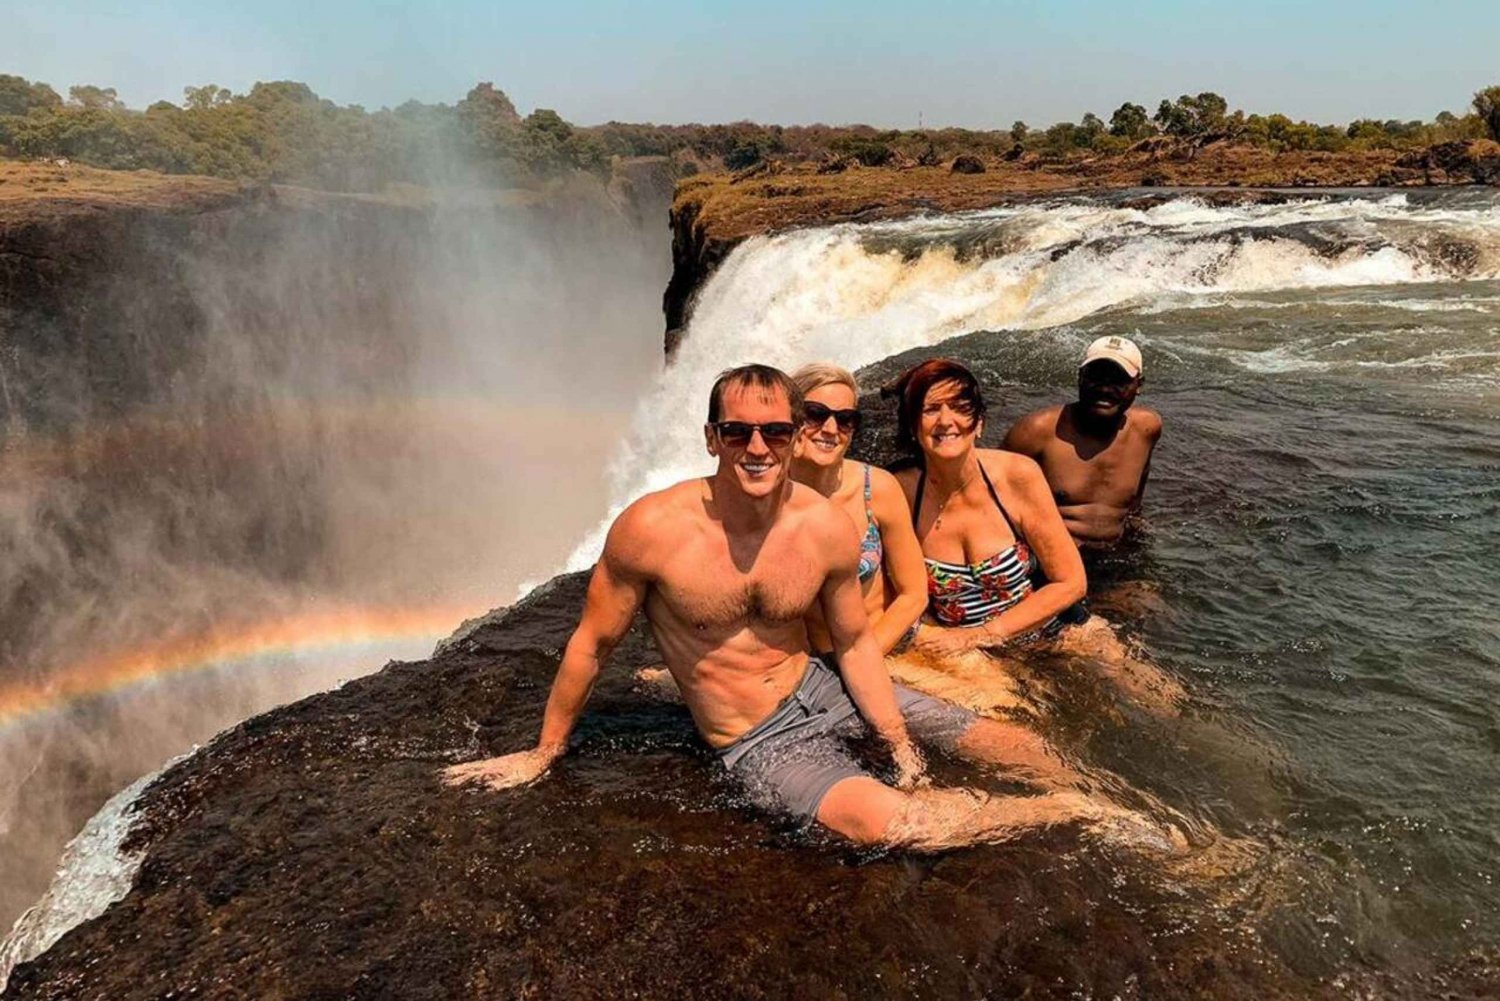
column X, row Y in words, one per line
column 1001, row 567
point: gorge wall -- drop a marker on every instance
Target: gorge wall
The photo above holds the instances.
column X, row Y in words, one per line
column 282, row 425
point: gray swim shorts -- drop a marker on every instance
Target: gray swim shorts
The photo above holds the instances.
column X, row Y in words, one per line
column 788, row 761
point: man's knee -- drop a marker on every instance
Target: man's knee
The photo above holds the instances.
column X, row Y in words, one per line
column 862, row 810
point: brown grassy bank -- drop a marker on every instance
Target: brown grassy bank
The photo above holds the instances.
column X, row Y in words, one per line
column 33, row 191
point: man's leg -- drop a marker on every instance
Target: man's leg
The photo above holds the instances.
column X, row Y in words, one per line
column 869, row 812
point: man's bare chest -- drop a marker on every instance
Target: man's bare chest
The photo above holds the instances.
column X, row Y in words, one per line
column 708, row 586
column 1111, row 473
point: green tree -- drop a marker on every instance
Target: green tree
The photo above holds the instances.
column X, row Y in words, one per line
column 1090, row 128
column 1173, row 119
column 19, row 96
column 868, row 150
column 286, row 92
column 744, row 153
column 1019, row 132
column 1193, row 117
column 485, row 106
column 1210, row 112
column 1487, row 107
column 95, row 98
column 1061, row 139
column 1129, row 122
column 207, row 96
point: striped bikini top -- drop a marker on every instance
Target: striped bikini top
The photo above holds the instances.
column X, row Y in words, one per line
column 970, row 594
column 871, row 550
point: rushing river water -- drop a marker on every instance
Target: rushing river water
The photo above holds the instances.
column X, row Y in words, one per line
column 1324, row 525
column 1318, row 568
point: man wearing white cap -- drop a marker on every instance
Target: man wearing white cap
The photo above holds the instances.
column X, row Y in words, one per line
column 1095, row 453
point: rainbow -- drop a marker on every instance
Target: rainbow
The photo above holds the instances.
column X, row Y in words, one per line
column 225, row 646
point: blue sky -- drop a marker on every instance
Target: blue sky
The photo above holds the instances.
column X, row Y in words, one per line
column 958, row 62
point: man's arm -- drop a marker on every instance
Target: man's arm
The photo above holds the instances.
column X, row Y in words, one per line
column 1151, row 430
column 616, row 591
column 854, row 646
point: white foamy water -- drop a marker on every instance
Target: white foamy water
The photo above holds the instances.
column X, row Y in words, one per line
column 854, row 294
column 92, row 874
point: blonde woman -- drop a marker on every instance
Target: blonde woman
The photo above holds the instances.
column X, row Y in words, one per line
column 891, row 572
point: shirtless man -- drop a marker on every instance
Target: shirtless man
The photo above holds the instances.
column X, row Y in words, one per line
column 726, row 568
column 1096, row 453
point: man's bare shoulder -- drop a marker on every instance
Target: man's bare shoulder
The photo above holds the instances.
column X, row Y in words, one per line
column 1145, row 421
column 653, row 520
column 1031, row 432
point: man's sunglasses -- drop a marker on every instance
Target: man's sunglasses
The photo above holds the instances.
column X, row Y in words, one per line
column 737, row 434
column 816, row 415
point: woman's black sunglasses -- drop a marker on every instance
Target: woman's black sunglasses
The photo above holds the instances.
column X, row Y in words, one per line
column 817, row 414
column 737, row 434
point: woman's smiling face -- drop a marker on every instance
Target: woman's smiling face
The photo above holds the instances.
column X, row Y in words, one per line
column 825, row 443
column 948, row 425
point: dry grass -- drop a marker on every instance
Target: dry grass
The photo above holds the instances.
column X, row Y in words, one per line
column 32, row 190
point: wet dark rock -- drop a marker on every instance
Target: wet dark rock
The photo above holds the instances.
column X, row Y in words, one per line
column 1473, row 161
column 312, row 852
column 695, row 256
column 967, row 163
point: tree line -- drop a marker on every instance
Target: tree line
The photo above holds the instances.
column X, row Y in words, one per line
column 282, row 131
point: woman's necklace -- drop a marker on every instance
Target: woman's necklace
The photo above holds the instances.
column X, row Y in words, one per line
column 969, row 478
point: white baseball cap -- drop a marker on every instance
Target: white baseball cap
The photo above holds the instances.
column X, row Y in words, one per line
column 1120, row 350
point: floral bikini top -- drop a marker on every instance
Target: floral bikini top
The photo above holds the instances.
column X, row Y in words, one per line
column 970, row 594
column 871, row 550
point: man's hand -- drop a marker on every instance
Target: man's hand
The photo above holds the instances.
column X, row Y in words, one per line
column 503, row 772
column 911, row 767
